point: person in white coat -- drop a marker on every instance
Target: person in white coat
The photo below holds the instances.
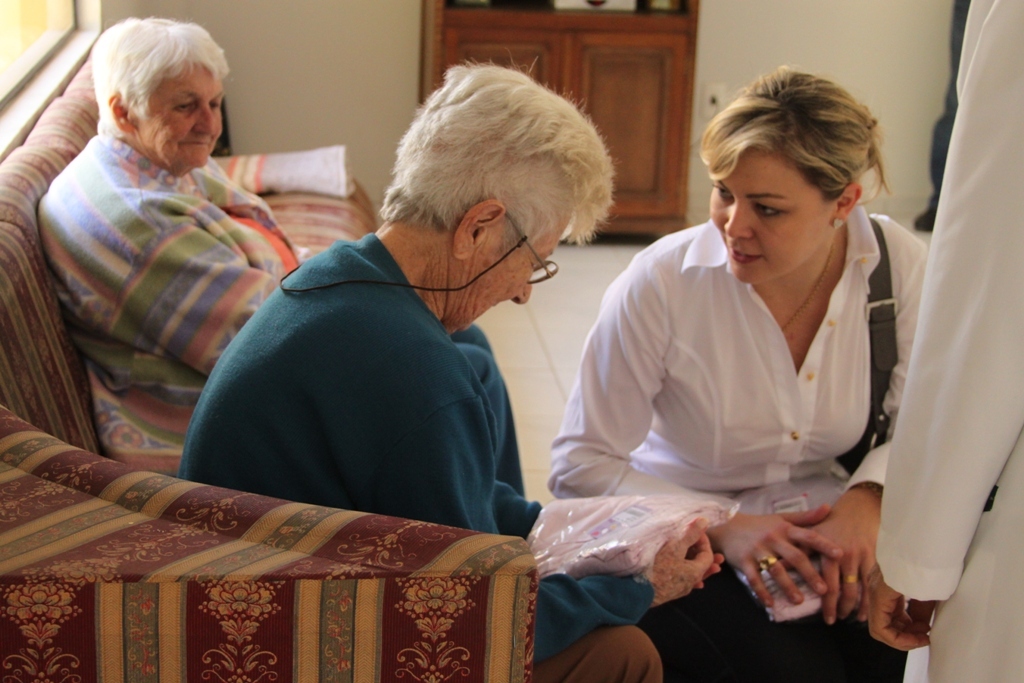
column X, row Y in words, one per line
column 950, row 544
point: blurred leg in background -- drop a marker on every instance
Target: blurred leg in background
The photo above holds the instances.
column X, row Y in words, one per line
column 944, row 126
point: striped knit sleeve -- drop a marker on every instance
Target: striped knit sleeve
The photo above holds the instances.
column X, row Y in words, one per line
column 166, row 273
column 191, row 292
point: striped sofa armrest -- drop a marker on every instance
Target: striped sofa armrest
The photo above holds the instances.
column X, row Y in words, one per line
column 113, row 574
column 42, row 378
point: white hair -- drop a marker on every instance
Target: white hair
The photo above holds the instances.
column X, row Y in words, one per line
column 132, row 58
column 493, row 133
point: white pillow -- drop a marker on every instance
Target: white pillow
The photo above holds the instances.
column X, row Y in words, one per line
column 320, row 170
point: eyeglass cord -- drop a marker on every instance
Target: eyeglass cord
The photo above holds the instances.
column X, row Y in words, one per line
column 299, row 290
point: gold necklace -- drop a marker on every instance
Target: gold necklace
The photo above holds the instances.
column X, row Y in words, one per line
column 814, row 290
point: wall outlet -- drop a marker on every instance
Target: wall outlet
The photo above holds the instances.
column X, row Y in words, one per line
column 714, row 97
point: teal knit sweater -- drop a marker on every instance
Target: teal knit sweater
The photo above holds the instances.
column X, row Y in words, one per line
column 355, row 397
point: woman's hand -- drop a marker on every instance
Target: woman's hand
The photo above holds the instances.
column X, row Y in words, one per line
column 746, row 540
column 894, row 620
column 853, row 526
column 682, row 565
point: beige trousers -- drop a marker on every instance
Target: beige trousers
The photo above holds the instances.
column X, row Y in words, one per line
column 613, row 654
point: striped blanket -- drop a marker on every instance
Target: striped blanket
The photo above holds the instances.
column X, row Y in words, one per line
column 156, row 276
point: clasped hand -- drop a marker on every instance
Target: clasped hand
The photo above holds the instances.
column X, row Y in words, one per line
column 842, row 536
column 682, row 564
column 896, row 621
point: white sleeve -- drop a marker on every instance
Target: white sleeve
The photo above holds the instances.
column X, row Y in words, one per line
column 963, row 407
column 610, row 409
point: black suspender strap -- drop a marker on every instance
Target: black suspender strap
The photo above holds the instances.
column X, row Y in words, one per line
column 881, row 316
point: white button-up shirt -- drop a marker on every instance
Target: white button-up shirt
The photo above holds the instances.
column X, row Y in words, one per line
column 687, row 380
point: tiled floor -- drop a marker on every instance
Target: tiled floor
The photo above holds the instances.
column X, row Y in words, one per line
column 538, row 345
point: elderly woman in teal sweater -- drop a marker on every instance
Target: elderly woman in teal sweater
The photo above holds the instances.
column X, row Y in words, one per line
column 345, row 389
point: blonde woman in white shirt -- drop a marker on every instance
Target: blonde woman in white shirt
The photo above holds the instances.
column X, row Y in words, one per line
column 734, row 356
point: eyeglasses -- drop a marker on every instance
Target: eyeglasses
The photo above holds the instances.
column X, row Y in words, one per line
column 545, row 270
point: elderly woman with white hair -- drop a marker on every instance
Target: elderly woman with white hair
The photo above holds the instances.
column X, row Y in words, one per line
column 159, row 258
column 345, row 390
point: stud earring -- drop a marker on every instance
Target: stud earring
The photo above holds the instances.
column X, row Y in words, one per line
column 838, row 223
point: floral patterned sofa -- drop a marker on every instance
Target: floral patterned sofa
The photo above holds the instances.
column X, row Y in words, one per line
column 112, row 574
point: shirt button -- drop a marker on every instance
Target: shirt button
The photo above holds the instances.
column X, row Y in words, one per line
column 831, row 323
column 863, row 259
column 794, row 435
column 810, row 376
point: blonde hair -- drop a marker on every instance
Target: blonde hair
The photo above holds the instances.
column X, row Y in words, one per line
column 831, row 138
column 132, row 58
column 494, row 133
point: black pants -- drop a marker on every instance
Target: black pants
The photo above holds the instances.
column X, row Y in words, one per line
column 719, row 634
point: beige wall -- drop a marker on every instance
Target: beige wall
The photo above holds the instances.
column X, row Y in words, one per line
column 316, row 72
column 892, row 55
column 308, row 73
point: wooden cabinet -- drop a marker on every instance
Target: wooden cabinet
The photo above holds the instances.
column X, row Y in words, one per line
column 632, row 72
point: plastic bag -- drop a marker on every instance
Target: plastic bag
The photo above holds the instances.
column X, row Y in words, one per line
column 615, row 535
column 782, row 609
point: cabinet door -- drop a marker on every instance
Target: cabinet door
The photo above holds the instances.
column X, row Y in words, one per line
column 535, row 52
column 637, row 87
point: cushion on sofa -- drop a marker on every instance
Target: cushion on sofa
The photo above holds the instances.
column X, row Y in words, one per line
column 317, row 221
column 108, row 573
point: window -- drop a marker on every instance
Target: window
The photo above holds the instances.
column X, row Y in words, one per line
column 38, row 60
column 30, row 32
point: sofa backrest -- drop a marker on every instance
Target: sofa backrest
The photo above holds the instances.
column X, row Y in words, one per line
column 41, row 375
